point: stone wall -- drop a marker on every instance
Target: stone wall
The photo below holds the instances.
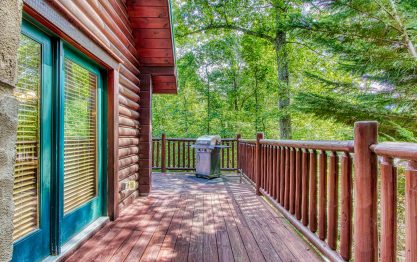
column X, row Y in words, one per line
column 10, row 21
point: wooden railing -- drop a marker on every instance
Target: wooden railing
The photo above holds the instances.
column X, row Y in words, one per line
column 177, row 154
column 310, row 181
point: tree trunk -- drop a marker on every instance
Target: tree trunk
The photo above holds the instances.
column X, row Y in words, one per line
column 283, row 85
column 208, row 101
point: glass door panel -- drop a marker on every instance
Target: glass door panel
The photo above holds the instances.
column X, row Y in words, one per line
column 80, row 152
column 26, row 175
column 31, row 191
column 84, row 140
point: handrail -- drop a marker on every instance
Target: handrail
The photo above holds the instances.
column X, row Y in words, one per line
column 406, row 151
column 252, row 141
column 310, row 182
column 344, row 146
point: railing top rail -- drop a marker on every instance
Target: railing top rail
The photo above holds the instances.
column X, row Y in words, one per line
column 190, row 139
column 406, row 151
column 251, row 141
column 181, row 139
column 344, row 146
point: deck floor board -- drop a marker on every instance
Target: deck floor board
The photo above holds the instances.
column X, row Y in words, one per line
column 191, row 219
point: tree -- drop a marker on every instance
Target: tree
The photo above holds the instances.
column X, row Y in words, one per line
column 270, row 21
column 374, row 42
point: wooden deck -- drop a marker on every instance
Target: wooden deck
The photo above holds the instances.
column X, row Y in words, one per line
column 190, row 219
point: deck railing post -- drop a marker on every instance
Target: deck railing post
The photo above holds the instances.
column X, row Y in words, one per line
column 258, row 152
column 365, row 188
column 163, row 154
column 238, row 137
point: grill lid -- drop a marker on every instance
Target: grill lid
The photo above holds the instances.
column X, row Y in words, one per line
column 208, row 141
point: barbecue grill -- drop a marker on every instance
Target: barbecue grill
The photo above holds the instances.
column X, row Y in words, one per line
column 208, row 156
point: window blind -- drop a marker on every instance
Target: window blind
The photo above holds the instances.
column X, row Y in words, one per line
column 80, row 156
column 26, row 174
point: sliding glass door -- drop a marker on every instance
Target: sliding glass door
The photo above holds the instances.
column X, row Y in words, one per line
column 31, row 192
column 59, row 179
column 84, row 143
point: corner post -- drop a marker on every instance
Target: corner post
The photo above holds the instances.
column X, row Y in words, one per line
column 163, row 153
column 365, row 188
column 259, row 136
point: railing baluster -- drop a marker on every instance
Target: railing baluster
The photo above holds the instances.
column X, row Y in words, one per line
column 282, row 176
column 193, row 158
column 233, row 165
column 183, row 154
column 163, row 154
column 269, row 186
column 346, row 202
column 298, row 181
column 411, row 211
column 179, row 153
column 287, row 179
column 259, row 136
column 323, row 195
column 157, row 142
column 292, row 181
column 389, row 210
column 169, row 153
column 228, row 155
column 278, row 171
column 333, row 207
column 312, row 219
column 274, row 172
column 263, row 167
column 153, row 153
column 305, row 180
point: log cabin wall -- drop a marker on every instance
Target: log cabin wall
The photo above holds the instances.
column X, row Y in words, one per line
column 109, row 22
column 106, row 24
column 133, row 39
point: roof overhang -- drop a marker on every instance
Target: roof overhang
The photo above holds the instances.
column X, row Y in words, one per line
column 152, row 28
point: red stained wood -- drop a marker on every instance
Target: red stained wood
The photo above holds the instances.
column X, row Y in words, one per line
column 149, row 11
column 332, row 207
column 305, row 187
column 258, row 153
column 151, row 26
column 323, row 195
column 190, row 220
column 148, row 2
column 282, row 176
column 287, row 179
column 163, row 153
column 155, row 53
column 346, row 203
column 278, row 170
column 389, row 210
column 151, row 34
column 313, row 192
column 411, row 211
column 292, row 181
column 365, row 215
column 298, row 182
column 274, row 172
column 150, row 22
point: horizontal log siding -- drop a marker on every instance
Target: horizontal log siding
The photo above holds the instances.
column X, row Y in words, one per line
column 108, row 21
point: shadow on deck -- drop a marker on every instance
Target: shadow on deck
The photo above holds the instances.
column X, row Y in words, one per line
column 191, row 219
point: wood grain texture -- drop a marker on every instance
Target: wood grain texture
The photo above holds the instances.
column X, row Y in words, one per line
column 197, row 220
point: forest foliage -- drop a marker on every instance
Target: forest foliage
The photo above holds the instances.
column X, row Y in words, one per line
column 297, row 69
